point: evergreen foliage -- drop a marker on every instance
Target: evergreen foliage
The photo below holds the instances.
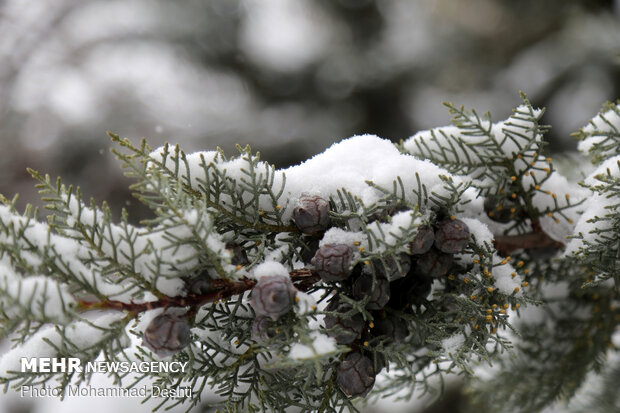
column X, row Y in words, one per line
column 437, row 249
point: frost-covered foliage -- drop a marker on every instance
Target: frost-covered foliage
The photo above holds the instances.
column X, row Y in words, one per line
column 601, row 137
column 567, row 349
column 422, row 269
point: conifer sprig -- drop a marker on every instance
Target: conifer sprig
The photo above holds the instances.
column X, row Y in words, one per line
column 285, row 289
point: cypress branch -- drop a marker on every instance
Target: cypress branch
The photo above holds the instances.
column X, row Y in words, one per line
column 300, row 287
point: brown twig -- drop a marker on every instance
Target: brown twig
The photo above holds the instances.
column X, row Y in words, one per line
column 303, row 279
column 506, row 244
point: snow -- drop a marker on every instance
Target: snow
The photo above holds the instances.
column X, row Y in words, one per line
column 611, row 166
column 159, row 254
column 170, row 248
column 544, row 199
column 605, row 121
column 599, row 129
column 80, row 336
column 586, row 145
column 280, row 253
column 351, row 162
column 42, row 297
column 392, row 233
column 504, row 282
column 597, row 206
column 306, row 303
column 65, row 252
column 269, row 269
column 340, row 236
column 508, row 138
column 321, row 345
column 452, row 344
column 433, row 139
column 348, row 164
column 515, row 133
column 478, row 229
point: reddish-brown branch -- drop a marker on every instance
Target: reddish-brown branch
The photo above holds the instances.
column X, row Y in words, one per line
column 303, row 280
column 221, row 289
column 506, row 244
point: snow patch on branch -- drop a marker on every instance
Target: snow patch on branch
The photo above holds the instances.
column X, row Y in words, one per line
column 269, row 269
column 76, row 339
column 41, row 297
column 453, row 343
column 507, row 280
column 348, row 164
column 321, row 345
column 602, row 133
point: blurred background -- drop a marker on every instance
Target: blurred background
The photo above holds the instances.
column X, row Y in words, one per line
column 288, row 77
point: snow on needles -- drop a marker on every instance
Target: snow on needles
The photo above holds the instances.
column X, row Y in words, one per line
column 453, row 343
column 41, row 297
column 79, row 338
column 516, row 140
column 592, row 224
column 610, row 167
column 352, row 162
column 35, row 241
column 479, row 230
column 600, row 132
column 474, row 150
column 348, row 164
column 391, row 233
column 321, row 345
column 158, row 254
column 507, row 281
column 268, row 269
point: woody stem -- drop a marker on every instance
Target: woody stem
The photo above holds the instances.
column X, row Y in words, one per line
column 221, row 289
column 506, row 244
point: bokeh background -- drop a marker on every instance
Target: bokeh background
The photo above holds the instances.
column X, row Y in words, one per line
column 288, row 77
